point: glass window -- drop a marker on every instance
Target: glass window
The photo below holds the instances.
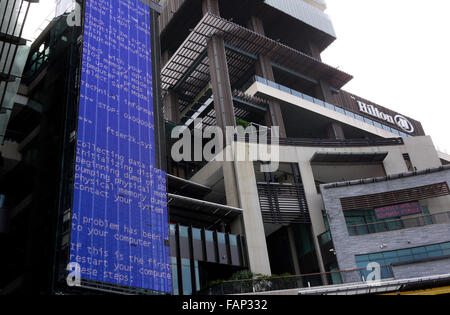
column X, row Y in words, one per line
column 445, row 246
column 389, row 254
column 197, row 276
column 418, row 250
column 220, row 238
column 375, row 256
column 173, row 262
column 184, row 231
column 209, row 236
column 362, row 258
column 196, row 234
column 233, row 240
column 173, row 229
column 404, row 252
column 186, row 276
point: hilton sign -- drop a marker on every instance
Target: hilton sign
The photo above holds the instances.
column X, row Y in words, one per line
column 398, row 120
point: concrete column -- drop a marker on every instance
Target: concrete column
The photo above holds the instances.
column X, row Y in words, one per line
column 253, row 223
column 294, row 254
column 220, row 82
column 171, row 108
column 314, row 202
column 230, row 184
column 264, row 69
column 335, row 131
column 211, row 6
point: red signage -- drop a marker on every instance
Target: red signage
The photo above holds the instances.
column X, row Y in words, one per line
column 403, row 209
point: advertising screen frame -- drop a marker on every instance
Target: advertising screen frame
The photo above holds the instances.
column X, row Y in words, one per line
column 62, row 251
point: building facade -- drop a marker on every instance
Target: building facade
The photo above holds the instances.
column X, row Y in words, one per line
column 234, row 63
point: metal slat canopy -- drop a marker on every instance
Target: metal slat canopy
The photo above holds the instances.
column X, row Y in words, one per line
column 188, row 70
column 199, row 212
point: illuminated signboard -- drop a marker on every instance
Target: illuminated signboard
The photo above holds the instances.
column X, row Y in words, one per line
column 119, row 219
column 398, row 210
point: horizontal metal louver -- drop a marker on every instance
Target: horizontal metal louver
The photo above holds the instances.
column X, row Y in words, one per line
column 395, row 197
column 283, row 203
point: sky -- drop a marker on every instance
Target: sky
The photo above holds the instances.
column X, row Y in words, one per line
column 399, row 54
column 397, row 50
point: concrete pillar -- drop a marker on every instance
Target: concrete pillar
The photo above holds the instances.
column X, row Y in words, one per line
column 264, row 69
column 220, row 82
column 335, row 131
column 220, row 78
column 230, row 184
column 253, row 223
column 171, row 107
column 314, row 201
column 211, row 6
column 294, row 254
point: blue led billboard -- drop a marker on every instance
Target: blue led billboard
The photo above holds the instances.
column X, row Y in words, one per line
column 119, row 219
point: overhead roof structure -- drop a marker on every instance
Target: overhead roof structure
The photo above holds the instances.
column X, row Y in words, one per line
column 188, row 69
column 199, row 212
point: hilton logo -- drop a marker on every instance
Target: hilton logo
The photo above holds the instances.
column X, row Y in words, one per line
column 398, row 120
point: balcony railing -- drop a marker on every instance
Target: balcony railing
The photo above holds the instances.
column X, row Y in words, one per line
column 291, row 282
column 399, row 224
column 338, row 109
column 309, row 142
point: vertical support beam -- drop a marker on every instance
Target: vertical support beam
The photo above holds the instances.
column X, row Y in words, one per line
column 211, row 6
column 220, row 81
column 220, row 78
column 294, row 254
column 258, row 255
column 335, row 131
column 171, row 108
column 264, row 69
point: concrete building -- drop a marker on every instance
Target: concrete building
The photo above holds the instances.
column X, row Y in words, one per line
column 257, row 63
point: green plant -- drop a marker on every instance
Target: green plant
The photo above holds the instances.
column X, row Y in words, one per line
column 241, row 122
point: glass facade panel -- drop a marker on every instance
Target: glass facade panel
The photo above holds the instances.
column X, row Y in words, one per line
column 173, row 262
column 220, row 238
column 233, row 240
column 184, row 231
column 196, row 234
column 385, row 259
column 209, row 236
column 186, row 276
